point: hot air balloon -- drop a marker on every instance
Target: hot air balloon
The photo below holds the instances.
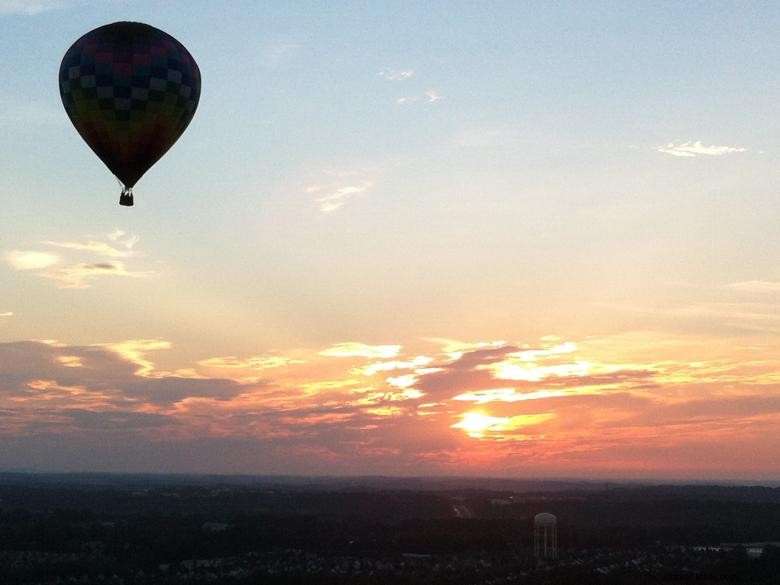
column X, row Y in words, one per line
column 130, row 90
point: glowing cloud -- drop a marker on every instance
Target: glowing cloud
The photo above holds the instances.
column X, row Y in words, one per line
column 507, row 395
column 70, row 361
column 695, row 149
column 338, row 197
column 30, row 260
column 258, row 362
column 352, row 349
column 135, row 350
column 478, row 425
column 416, row 362
column 402, row 381
column 76, row 276
column 512, row 370
column 99, row 248
column 6, row 314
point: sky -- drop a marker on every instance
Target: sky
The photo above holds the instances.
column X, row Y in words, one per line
column 445, row 238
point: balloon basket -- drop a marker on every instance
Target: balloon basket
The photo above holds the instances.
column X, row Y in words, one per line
column 126, row 198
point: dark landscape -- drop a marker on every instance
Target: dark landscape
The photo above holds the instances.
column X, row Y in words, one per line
column 144, row 529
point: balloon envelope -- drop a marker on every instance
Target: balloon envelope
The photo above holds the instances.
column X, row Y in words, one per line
column 130, row 90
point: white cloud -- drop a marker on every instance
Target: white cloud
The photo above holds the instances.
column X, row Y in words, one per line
column 99, row 248
column 695, row 149
column 428, row 97
column 396, row 74
column 340, row 195
column 130, row 241
column 30, row 260
column 6, row 314
column 375, row 367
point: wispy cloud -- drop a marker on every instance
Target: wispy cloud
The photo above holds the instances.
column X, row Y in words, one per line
column 258, row 362
column 6, row 314
column 396, row 74
column 127, row 240
column 375, row 367
column 30, row 260
column 79, row 274
column 336, row 197
column 354, row 349
column 99, row 248
column 696, row 149
column 427, row 97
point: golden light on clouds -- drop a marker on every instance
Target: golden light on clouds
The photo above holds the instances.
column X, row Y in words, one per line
column 416, row 362
column 260, row 362
column 135, row 350
column 479, row 425
column 30, row 260
column 352, row 349
column 590, row 405
column 70, row 361
column 508, row 395
column 529, row 372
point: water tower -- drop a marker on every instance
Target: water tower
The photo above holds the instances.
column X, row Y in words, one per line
column 545, row 536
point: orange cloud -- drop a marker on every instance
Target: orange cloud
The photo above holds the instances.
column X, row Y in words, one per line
column 449, row 412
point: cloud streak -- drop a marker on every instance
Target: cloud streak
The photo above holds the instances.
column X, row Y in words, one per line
column 697, row 149
column 356, row 349
column 337, row 197
column 427, row 97
column 95, row 247
column 396, row 74
column 81, row 275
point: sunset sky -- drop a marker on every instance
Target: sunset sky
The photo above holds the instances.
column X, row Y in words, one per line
column 442, row 238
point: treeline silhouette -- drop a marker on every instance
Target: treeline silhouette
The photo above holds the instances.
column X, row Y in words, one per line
column 53, row 532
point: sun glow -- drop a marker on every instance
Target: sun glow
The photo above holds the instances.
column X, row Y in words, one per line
column 478, row 424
